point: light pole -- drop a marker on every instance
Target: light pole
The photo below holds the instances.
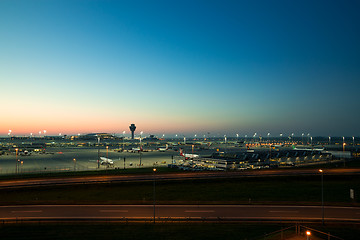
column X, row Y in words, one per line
column 140, row 152
column 353, row 141
column 268, row 135
column 308, row 233
column 98, row 160
column 344, row 149
column 123, row 141
column 154, row 170
column 302, row 138
column 322, row 195
column 329, row 140
column 16, row 154
column 74, row 164
column 308, row 135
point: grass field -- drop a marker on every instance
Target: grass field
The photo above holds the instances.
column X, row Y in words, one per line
column 269, row 190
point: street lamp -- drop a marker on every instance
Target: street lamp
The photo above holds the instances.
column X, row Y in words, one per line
column 308, row 233
column 16, row 167
column 322, row 195
column 154, row 170
column 302, row 138
column 98, row 160
column 74, row 164
column 123, row 141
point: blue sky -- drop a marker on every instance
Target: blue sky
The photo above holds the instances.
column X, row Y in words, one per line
column 180, row 66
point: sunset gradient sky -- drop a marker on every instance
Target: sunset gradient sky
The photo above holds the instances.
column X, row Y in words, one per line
column 185, row 67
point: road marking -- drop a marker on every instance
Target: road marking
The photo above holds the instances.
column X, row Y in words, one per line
column 284, row 211
column 198, row 211
column 26, row 211
column 115, row 211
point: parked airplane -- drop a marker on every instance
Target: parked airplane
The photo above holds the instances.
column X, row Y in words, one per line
column 308, row 148
column 163, row 149
column 188, row 155
column 133, row 150
column 106, row 161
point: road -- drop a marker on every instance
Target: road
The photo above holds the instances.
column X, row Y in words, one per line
column 169, row 176
column 178, row 212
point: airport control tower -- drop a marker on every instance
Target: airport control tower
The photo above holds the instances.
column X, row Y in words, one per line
column 132, row 129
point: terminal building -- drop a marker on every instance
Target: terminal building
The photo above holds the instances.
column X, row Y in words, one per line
column 253, row 159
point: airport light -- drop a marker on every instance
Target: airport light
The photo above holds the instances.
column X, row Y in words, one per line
column 344, row 149
column 123, row 141
column 44, row 133
column 237, row 137
column 31, row 134
column 154, row 199
column 184, row 140
column 140, row 148
column 107, row 151
column 98, row 160
column 302, row 138
column 74, row 164
column 225, row 138
column 311, row 140
column 16, row 167
column 308, row 135
column 322, row 195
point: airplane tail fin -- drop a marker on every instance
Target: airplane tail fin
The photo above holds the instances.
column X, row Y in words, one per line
column 181, row 152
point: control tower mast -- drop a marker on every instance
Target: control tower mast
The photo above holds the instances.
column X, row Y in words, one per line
column 132, row 129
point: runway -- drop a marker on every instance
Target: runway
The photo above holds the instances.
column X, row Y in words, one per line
column 178, row 212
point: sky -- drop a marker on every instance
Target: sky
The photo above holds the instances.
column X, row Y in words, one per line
column 180, row 67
